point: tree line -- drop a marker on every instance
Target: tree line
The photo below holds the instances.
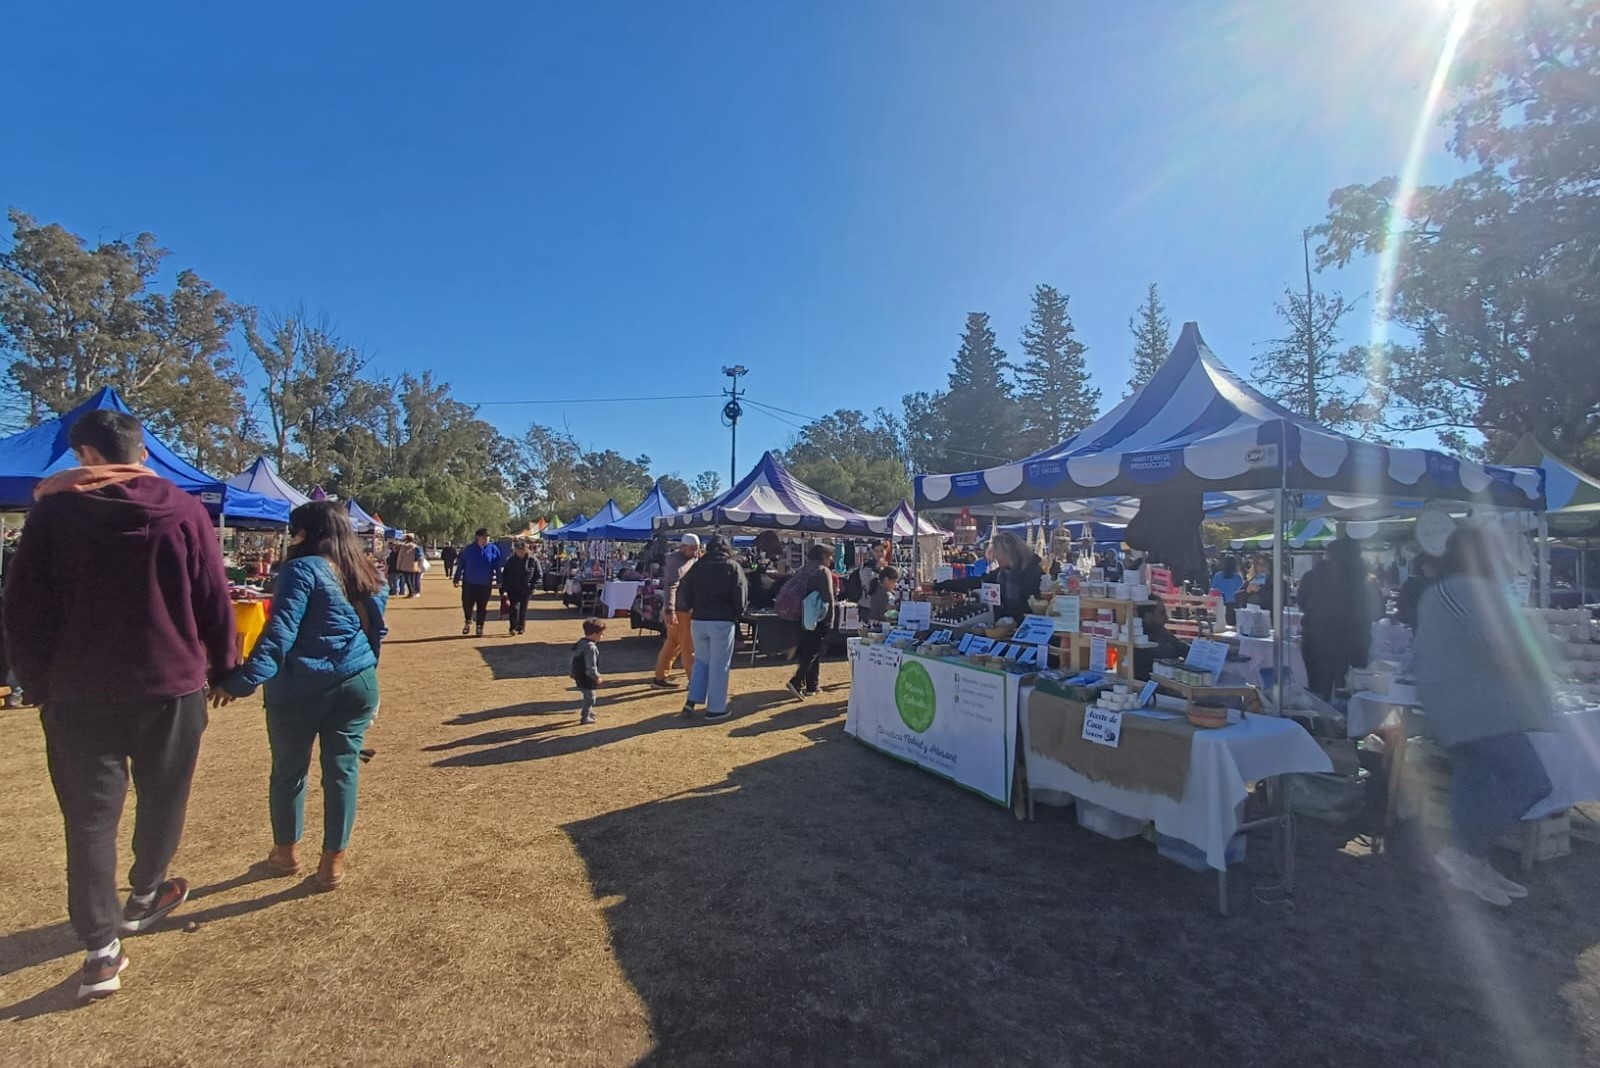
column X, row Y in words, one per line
column 1481, row 327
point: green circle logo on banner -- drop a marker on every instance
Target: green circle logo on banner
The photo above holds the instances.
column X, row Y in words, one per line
column 913, row 696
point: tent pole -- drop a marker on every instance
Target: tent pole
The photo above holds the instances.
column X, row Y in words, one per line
column 916, row 546
column 1280, row 629
column 1544, row 561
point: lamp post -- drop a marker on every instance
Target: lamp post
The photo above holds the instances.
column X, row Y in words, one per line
column 730, row 416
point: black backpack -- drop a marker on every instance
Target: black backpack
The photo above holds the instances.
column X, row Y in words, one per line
column 852, row 587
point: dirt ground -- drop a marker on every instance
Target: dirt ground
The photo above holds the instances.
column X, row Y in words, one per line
column 763, row 891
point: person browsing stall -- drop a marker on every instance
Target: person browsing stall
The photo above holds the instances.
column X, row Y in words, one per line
column 717, row 595
column 880, row 597
column 816, row 578
column 679, row 641
column 1485, row 683
column 1166, row 645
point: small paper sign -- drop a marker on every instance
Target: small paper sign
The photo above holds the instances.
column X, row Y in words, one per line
column 1097, row 654
column 1205, row 655
column 916, row 614
column 939, row 637
column 1035, row 630
column 1067, row 609
column 990, row 593
column 1014, row 652
column 1003, row 649
column 980, row 645
column 965, row 646
column 899, row 634
column 1102, row 727
column 1031, row 656
column 1147, row 693
column 944, row 573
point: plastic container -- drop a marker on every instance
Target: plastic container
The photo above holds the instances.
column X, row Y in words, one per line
column 1193, row 857
column 1104, row 822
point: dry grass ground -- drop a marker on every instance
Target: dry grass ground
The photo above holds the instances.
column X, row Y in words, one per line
column 763, row 891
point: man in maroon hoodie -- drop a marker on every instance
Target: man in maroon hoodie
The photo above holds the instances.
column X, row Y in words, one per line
column 116, row 617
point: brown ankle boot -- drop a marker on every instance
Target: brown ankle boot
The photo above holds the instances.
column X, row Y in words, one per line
column 330, row 873
column 283, row 860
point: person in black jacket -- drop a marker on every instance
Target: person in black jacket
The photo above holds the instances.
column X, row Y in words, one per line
column 1019, row 574
column 717, row 595
column 817, row 576
column 517, row 580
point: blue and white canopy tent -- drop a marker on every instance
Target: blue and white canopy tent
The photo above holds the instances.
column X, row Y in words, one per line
column 903, row 522
column 1197, row 427
column 639, row 524
column 770, row 498
column 263, row 478
column 34, row 454
column 583, row 529
column 363, row 522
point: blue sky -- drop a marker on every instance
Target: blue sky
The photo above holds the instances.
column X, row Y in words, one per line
column 569, row 200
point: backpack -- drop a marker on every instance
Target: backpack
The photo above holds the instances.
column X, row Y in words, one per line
column 791, row 600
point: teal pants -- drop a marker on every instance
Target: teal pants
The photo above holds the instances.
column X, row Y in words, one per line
column 338, row 718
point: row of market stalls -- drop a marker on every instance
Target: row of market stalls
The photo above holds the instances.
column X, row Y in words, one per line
column 257, row 498
column 1195, row 443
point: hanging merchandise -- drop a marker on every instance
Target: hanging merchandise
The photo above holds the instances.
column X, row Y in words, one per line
column 966, row 529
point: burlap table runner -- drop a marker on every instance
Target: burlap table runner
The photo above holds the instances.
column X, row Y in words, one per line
column 1152, row 757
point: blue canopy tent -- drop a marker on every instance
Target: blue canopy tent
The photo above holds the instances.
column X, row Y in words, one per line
column 584, row 530
column 32, row 455
column 639, row 524
column 263, row 478
column 770, row 498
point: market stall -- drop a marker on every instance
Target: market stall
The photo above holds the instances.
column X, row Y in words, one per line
column 1196, row 442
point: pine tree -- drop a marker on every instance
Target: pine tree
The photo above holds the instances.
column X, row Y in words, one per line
column 978, row 418
column 1152, row 339
column 1053, row 385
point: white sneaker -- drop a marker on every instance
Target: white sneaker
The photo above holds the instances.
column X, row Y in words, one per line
column 1515, row 891
column 1472, row 875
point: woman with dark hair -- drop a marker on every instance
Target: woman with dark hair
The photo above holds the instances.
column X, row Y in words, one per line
column 1228, row 581
column 1339, row 602
column 815, row 578
column 318, row 659
column 1019, row 574
column 1485, row 684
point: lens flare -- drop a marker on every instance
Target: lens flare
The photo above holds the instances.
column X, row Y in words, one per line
column 1400, row 213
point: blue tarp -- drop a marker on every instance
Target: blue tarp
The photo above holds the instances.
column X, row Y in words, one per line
column 1197, row 426
column 637, row 525
column 34, row 454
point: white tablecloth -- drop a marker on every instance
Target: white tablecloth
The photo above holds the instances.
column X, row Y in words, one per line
column 1571, row 756
column 1258, row 654
column 1368, row 711
column 1222, row 763
column 618, row 596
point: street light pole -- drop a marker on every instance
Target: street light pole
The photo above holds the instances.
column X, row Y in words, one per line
column 730, row 415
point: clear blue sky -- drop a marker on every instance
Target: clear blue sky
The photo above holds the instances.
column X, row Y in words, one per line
column 560, row 200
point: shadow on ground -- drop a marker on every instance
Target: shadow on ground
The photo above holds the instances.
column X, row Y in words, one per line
column 833, row 906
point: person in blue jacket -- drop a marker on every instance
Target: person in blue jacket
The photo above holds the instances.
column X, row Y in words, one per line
column 318, row 661
column 476, row 570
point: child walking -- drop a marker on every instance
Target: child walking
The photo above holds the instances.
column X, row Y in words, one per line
column 586, row 666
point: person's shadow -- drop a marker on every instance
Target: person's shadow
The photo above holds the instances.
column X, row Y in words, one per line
column 27, row 949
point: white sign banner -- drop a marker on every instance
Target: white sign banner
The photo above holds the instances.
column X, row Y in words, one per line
column 1097, row 654
column 1205, row 655
column 1035, row 630
column 917, row 615
column 955, row 720
column 1102, row 727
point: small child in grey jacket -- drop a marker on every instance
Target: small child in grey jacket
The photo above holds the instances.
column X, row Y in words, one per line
column 586, row 666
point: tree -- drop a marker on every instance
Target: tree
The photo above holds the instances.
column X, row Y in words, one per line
column 1309, row 370
column 1493, row 275
column 707, row 484
column 75, row 318
column 976, row 423
column 609, row 475
column 855, row 459
column 1152, row 339
column 439, row 507
column 677, row 491
column 1057, row 400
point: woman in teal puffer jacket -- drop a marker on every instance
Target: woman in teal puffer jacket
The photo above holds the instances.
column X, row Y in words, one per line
column 318, row 661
